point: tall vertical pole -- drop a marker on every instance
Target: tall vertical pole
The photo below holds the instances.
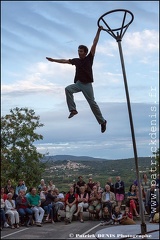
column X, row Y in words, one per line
column 143, row 225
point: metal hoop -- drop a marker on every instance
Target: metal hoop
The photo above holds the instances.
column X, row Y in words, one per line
column 123, row 27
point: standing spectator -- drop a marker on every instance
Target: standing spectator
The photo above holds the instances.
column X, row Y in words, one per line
column 8, row 186
column 51, row 186
column 23, row 208
column 132, row 200
column 146, row 183
column 79, row 184
column 59, row 204
column 71, row 204
column 90, row 185
column 83, row 198
column 3, row 195
column 143, row 198
column 41, row 185
column 108, row 198
column 35, row 204
column 10, row 209
column 157, row 181
column 117, row 215
column 152, row 201
column 99, row 188
column 21, row 185
column 13, row 193
column 119, row 190
column 111, row 184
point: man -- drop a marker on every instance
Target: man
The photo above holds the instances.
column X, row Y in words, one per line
column 83, row 80
column 79, row 184
column 108, row 198
column 35, row 204
column 59, row 204
column 119, row 190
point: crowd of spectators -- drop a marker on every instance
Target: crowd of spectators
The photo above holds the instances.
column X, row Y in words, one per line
column 22, row 206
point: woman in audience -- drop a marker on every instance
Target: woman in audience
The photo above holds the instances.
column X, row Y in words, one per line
column 132, row 200
column 23, row 208
column 82, row 203
column 95, row 202
column 71, row 204
column 10, row 209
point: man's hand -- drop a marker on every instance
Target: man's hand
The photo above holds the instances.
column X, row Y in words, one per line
column 49, row 59
column 100, row 28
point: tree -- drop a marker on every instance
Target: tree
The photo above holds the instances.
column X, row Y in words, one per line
column 19, row 157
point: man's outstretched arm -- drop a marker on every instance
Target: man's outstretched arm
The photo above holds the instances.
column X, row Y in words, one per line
column 58, row 60
column 95, row 41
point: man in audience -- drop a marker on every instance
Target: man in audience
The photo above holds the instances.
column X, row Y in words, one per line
column 35, row 204
column 108, row 198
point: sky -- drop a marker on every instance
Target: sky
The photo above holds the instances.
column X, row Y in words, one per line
column 34, row 30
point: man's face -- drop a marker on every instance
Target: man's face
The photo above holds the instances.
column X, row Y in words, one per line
column 81, row 53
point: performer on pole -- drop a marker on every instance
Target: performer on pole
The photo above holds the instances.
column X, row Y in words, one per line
column 83, row 80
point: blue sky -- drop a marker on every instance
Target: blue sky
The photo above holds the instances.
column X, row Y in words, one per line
column 34, row 30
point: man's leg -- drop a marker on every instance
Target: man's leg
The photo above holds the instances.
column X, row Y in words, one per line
column 87, row 90
column 69, row 90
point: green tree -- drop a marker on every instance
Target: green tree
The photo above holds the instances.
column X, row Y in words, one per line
column 19, row 157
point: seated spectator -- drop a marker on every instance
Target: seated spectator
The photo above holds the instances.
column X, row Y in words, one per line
column 59, row 204
column 47, row 205
column 108, row 198
column 51, row 186
column 156, row 216
column 2, row 215
column 117, row 215
column 119, row 190
column 106, row 217
column 8, row 186
column 82, row 203
column 3, row 194
column 152, row 201
column 21, row 185
column 41, row 185
column 23, row 208
column 145, row 182
column 95, row 202
column 90, row 185
column 43, row 193
column 132, row 200
column 29, row 192
column 10, row 209
column 71, row 204
column 111, row 184
column 35, row 204
column 127, row 217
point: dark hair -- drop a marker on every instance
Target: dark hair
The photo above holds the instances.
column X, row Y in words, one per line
column 84, row 48
column 131, row 187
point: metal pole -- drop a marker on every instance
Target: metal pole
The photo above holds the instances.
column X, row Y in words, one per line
column 143, row 225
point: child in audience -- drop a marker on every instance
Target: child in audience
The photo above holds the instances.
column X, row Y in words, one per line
column 106, row 216
column 117, row 215
column 127, row 217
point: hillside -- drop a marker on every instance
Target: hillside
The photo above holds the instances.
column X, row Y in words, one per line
column 64, row 169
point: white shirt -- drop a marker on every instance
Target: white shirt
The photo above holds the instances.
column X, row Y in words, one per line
column 107, row 196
